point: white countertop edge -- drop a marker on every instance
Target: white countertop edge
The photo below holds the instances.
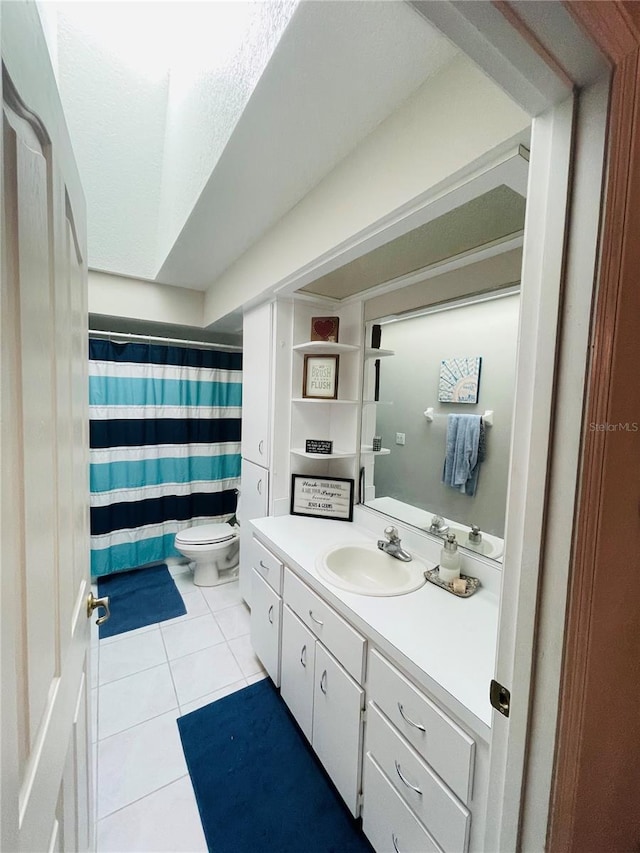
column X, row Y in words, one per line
column 275, row 533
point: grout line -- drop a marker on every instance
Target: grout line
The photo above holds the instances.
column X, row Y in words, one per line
column 132, row 674
column 144, row 797
column 173, row 683
column 135, row 725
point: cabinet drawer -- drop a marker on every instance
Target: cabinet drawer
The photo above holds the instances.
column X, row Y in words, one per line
column 267, row 565
column 448, row 749
column 387, row 820
column 336, row 634
column 266, row 618
column 438, row 809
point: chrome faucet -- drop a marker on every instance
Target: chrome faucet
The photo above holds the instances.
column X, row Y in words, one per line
column 391, row 545
column 438, row 526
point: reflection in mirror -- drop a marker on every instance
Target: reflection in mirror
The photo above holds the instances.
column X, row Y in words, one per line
column 405, row 478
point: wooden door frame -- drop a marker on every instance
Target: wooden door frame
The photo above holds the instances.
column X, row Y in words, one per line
column 597, row 762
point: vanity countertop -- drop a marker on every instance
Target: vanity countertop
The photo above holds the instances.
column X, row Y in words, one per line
column 447, row 644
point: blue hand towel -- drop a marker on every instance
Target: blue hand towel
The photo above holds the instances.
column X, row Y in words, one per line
column 461, row 458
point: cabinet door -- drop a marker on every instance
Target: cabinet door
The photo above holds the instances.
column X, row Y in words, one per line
column 297, row 669
column 254, row 503
column 266, row 617
column 256, row 384
column 337, row 725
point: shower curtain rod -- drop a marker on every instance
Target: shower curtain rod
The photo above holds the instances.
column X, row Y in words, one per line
column 153, row 339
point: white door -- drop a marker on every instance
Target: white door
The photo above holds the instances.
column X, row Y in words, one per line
column 337, row 725
column 266, row 615
column 297, row 669
column 44, row 552
column 256, row 384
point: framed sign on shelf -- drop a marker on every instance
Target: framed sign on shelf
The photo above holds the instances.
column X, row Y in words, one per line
column 322, row 497
column 320, row 380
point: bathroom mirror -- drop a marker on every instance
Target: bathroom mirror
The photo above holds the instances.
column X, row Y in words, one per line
column 446, row 289
column 423, row 352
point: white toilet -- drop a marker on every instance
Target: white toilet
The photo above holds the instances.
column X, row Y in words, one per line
column 214, row 548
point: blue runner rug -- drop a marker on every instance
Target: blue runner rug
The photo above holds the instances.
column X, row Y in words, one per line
column 138, row 598
column 258, row 785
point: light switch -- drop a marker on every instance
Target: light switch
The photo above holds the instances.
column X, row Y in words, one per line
column 399, row 438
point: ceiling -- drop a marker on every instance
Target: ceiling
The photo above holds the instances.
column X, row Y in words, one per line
column 189, row 155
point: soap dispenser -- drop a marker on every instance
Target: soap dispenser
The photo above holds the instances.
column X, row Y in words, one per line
column 449, row 560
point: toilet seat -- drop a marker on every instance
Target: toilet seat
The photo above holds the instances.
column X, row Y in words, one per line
column 206, row 534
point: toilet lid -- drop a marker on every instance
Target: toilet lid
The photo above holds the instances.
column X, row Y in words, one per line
column 206, row 534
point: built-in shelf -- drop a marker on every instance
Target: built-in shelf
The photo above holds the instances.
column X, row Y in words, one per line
column 324, row 347
column 321, row 400
column 370, row 352
column 337, row 454
column 384, row 451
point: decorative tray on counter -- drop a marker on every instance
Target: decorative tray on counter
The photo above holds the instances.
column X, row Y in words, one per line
column 433, row 576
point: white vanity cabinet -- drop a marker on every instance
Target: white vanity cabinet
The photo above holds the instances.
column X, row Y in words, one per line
column 266, row 607
column 325, row 699
column 416, row 750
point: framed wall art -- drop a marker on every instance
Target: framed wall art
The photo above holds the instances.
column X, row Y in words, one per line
column 320, row 379
column 459, row 379
column 322, row 497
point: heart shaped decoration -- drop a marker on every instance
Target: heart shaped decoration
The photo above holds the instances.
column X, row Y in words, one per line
column 322, row 328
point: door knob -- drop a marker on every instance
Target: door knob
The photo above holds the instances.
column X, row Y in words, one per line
column 93, row 603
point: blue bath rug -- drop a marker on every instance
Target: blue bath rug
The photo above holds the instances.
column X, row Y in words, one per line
column 258, row 785
column 138, row 598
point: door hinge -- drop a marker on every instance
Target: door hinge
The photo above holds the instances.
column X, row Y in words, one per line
column 363, row 715
column 359, row 803
column 500, row 698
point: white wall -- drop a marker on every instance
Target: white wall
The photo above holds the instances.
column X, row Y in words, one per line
column 132, row 298
column 456, row 117
column 409, row 379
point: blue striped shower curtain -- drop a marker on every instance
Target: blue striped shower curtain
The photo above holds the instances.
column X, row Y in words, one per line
column 165, row 447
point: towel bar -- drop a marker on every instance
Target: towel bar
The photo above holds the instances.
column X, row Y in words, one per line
column 430, row 414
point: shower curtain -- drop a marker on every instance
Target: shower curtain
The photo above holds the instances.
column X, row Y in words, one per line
column 164, row 447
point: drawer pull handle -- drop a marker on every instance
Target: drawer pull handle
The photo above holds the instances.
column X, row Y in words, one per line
column 303, row 656
column 323, row 682
column 259, row 487
column 405, row 782
column 270, row 614
column 409, row 720
column 395, row 843
column 261, row 446
column 263, row 566
column 317, row 621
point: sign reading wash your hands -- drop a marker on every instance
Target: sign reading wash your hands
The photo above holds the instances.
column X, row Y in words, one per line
column 322, row 497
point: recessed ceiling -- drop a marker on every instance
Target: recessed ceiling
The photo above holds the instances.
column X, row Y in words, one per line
column 491, row 217
column 192, row 139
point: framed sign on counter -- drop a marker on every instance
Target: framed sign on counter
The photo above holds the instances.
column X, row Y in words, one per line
column 322, row 497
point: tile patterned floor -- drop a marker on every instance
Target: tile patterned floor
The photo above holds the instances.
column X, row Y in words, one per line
column 141, row 682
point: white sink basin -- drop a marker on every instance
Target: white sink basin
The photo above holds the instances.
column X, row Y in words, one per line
column 367, row 570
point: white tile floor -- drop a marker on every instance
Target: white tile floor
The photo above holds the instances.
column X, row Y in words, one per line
column 142, row 681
